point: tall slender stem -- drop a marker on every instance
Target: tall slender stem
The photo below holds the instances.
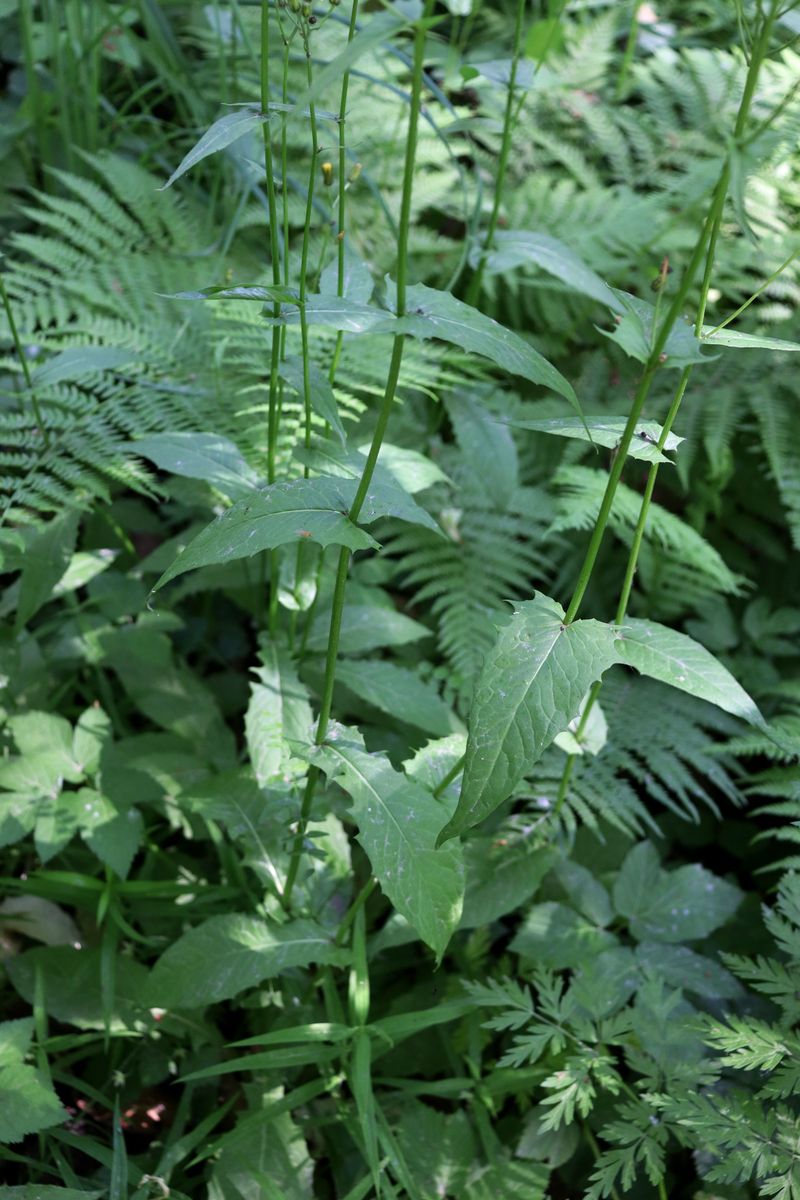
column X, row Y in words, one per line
column 342, row 215
column 708, row 238
column 474, row 288
column 272, row 209
column 340, row 586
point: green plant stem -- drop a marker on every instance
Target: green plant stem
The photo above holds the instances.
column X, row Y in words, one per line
column 630, row 50
column 37, row 412
column 342, row 213
column 709, row 237
column 340, row 586
column 473, row 291
column 272, row 207
column 359, row 902
column 312, row 177
column 452, row 774
column 778, row 271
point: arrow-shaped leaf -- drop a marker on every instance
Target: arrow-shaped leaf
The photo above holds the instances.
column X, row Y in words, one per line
column 531, row 686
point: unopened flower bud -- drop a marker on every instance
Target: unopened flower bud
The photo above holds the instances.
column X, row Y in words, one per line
column 327, row 173
column 356, row 171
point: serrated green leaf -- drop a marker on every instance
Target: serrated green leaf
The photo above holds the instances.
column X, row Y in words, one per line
column 434, row 314
column 388, row 495
column 673, row 658
column 92, row 732
column 113, row 834
column 531, row 686
column 284, row 512
column 279, row 713
column 397, row 824
column 206, row 456
column 47, row 557
column 635, row 333
column 554, row 935
column 27, row 1102
column 400, row 693
column 231, row 952
column 268, row 1160
column 606, row 431
column 222, row 133
column 671, row 906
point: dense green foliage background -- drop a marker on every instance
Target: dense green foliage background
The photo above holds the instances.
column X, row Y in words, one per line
column 595, row 991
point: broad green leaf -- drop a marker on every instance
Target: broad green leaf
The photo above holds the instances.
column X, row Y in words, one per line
column 47, row 557
column 84, row 566
column 367, row 627
column 532, row 684
column 358, row 283
column 278, row 714
column 586, row 893
column 439, row 1148
column 515, row 248
column 487, row 446
column 635, row 333
column 231, row 952
column 673, row 658
column 56, row 824
column 113, row 834
column 27, row 1101
column 692, row 972
column 553, row 935
column 388, row 495
column 321, row 394
column 92, row 732
column 72, row 982
column 744, row 341
column 299, row 576
column 334, row 312
column 606, row 431
column 265, row 1160
column 671, row 906
column 257, row 818
column 78, row 361
column 400, row 693
column 222, row 133
column 285, row 512
column 412, row 470
column 434, row 314
column 42, row 733
column 169, row 693
column 266, row 292
column 397, row 825
column 501, row 877
column 207, row 456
